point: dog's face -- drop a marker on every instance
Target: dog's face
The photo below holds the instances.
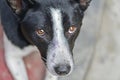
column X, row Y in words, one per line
column 53, row 25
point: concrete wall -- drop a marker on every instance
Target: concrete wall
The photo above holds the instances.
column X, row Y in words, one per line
column 106, row 62
column 97, row 51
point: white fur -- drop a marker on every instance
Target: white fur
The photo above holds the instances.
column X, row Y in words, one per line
column 12, row 50
column 49, row 76
column 58, row 50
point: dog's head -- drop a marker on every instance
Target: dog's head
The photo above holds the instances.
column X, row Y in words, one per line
column 52, row 25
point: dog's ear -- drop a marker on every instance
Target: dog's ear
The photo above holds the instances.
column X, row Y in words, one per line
column 16, row 5
column 19, row 6
column 11, row 22
column 83, row 4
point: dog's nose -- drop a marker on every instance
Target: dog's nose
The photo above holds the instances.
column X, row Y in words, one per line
column 62, row 69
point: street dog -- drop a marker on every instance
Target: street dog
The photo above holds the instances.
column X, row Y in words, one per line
column 50, row 26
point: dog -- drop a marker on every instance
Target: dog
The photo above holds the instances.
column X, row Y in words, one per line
column 50, row 26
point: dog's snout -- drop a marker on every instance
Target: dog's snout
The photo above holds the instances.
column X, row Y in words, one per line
column 62, row 69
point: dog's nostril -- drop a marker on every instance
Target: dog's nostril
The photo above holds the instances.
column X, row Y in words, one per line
column 62, row 69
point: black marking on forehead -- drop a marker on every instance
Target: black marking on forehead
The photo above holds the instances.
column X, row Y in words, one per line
column 52, row 2
column 71, row 17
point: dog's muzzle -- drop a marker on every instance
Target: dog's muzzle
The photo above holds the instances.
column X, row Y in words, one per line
column 59, row 59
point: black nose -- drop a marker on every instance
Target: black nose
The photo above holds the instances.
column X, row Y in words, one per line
column 62, row 69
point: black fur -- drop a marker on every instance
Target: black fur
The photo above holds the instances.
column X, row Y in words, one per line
column 20, row 28
column 11, row 25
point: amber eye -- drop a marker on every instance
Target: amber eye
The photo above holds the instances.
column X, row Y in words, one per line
column 40, row 32
column 72, row 29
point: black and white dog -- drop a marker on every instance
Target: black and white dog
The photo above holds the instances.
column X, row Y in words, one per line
column 51, row 26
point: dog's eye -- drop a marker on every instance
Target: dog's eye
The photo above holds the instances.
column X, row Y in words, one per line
column 40, row 32
column 72, row 29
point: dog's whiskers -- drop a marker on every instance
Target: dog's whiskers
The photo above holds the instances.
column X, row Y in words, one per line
column 43, row 59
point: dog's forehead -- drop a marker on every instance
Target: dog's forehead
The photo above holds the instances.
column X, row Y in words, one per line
column 64, row 5
column 53, row 2
column 42, row 14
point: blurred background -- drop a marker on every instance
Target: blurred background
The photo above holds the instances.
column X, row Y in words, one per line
column 97, row 49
